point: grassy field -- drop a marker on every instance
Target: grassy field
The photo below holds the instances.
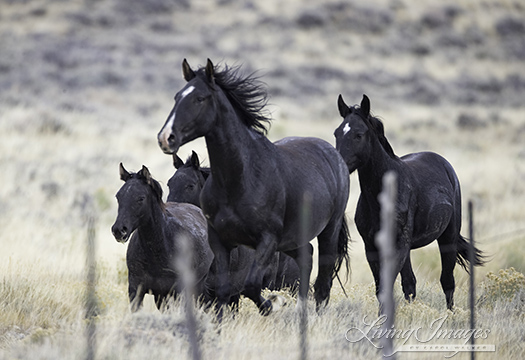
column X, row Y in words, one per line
column 86, row 85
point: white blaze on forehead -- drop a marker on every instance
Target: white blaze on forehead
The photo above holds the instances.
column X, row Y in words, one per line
column 166, row 130
column 346, row 129
column 187, row 92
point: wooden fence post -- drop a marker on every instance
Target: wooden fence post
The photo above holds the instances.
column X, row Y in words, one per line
column 303, row 285
column 91, row 301
column 471, row 253
column 385, row 240
column 187, row 276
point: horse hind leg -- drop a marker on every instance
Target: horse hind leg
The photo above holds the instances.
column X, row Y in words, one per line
column 408, row 280
column 448, row 250
column 303, row 259
column 327, row 244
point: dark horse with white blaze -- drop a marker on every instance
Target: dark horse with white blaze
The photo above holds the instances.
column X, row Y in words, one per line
column 156, row 231
column 257, row 189
column 186, row 186
column 428, row 203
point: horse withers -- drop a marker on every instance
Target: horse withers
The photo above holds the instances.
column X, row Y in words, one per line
column 157, row 231
column 257, row 190
column 428, row 205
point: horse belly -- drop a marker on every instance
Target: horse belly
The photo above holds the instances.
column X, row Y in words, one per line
column 430, row 227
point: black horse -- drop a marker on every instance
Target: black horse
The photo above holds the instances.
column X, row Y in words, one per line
column 186, row 186
column 257, row 189
column 428, row 203
column 156, row 231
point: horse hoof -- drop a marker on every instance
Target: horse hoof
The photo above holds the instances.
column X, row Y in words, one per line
column 265, row 308
column 410, row 297
column 277, row 301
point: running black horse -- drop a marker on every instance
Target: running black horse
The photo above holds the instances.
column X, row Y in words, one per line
column 156, row 231
column 428, row 203
column 257, row 189
column 186, row 186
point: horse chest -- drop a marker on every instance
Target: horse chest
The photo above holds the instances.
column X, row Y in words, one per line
column 234, row 225
column 236, row 222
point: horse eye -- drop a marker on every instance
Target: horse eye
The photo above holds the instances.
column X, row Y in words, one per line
column 201, row 99
column 141, row 199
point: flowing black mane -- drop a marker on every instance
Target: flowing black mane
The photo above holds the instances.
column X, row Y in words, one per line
column 376, row 126
column 247, row 95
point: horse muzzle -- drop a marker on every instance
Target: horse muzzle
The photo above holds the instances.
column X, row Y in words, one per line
column 120, row 234
column 169, row 143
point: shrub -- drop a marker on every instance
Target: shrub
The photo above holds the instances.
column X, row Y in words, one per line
column 503, row 286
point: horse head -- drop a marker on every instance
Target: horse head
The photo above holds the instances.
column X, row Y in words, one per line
column 136, row 198
column 187, row 182
column 193, row 114
column 354, row 136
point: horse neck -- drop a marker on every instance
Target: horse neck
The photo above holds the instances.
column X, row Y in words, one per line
column 232, row 147
column 372, row 172
column 152, row 231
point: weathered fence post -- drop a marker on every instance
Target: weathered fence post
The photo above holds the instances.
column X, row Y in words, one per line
column 187, row 277
column 91, row 301
column 304, row 285
column 385, row 240
column 471, row 253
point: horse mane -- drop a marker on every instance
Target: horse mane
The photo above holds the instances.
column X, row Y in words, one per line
column 376, row 126
column 247, row 95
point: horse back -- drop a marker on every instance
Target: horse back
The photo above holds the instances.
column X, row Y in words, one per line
column 429, row 171
column 188, row 220
column 312, row 166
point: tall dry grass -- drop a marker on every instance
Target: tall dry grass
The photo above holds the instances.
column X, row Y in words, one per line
column 86, row 85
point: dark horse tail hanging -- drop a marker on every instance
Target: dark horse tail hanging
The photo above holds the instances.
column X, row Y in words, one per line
column 428, row 202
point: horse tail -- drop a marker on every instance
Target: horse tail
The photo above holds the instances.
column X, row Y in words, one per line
column 463, row 258
column 342, row 249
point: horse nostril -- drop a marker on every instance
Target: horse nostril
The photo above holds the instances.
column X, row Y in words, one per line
column 119, row 233
column 171, row 138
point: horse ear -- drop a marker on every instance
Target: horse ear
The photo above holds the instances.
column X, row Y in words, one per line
column 177, row 161
column 195, row 160
column 147, row 175
column 210, row 72
column 124, row 174
column 187, row 72
column 365, row 106
column 344, row 110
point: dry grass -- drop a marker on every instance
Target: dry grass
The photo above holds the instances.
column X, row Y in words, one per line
column 86, row 85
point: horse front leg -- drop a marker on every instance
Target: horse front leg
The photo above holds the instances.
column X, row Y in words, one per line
column 136, row 295
column 264, row 254
column 374, row 260
column 372, row 257
column 221, row 264
column 408, row 280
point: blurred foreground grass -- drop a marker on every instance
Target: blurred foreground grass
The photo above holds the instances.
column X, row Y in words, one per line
column 42, row 312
